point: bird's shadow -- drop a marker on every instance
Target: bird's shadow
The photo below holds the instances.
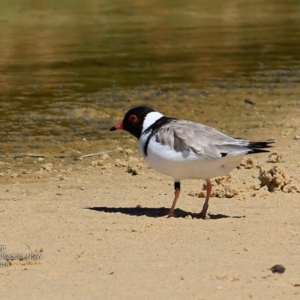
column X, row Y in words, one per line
column 152, row 212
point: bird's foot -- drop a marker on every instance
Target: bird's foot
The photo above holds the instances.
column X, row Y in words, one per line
column 202, row 214
column 170, row 214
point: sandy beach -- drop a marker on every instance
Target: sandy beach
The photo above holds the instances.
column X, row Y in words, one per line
column 92, row 230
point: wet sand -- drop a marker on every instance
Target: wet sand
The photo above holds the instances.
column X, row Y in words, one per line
column 92, row 229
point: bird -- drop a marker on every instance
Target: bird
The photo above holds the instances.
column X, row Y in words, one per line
column 184, row 149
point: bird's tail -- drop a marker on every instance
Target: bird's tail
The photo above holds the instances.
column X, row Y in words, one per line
column 259, row 147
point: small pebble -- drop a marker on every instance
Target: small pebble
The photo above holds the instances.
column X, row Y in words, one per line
column 95, row 163
column 248, row 101
column 278, row 269
column 105, row 156
column 47, row 167
column 120, row 163
column 128, row 151
column 297, row 137
column 132, row 170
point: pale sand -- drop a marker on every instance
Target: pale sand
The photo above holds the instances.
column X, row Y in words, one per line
column 121, row 250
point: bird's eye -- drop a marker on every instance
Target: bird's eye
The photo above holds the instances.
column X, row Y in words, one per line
column 133, row 118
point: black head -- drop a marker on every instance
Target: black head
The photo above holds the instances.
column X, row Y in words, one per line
column 133, row 120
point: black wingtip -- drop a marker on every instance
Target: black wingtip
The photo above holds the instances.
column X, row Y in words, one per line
column 259, row 147
column 113, row 128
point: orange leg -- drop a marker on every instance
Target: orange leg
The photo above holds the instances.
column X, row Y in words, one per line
column 202, row 214
column 176, row 196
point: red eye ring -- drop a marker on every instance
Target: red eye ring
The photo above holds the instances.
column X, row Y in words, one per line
column 133, row 118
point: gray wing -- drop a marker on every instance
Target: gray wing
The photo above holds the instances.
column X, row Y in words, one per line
column 200, row 139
